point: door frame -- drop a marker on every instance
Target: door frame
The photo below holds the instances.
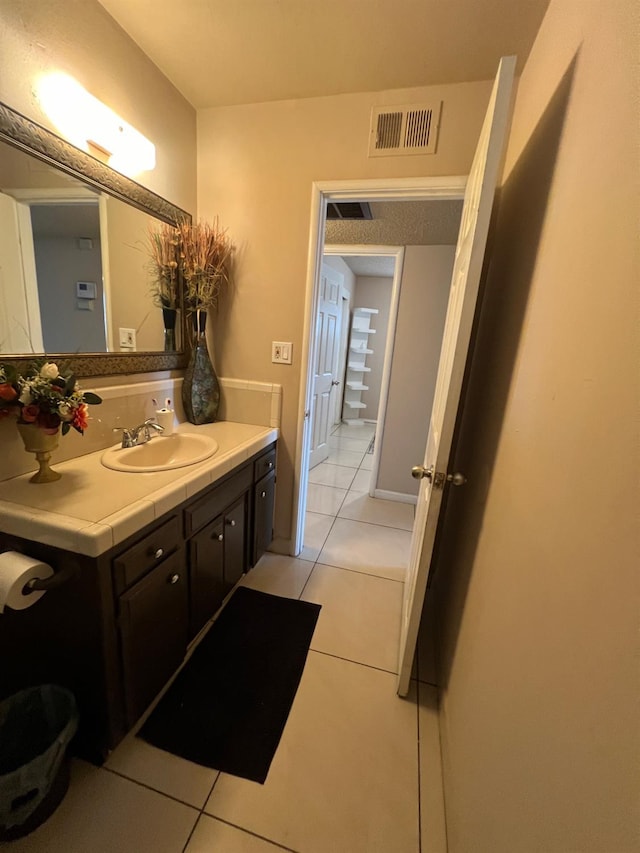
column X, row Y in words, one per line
column 396, row 252
column 25, row 198
column 322, row 192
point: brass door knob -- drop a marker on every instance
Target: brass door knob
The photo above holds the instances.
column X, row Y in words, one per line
column 456, row 479
column 419, row 472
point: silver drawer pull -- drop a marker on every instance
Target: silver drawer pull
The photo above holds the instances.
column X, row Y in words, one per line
column 220, row 537
column 157, row 554
column 231, row 522
column 174, row 578
column 263, row 494
column 270, row 465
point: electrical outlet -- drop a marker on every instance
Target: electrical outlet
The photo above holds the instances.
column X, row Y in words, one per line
column 127, row 338
column 281, row 352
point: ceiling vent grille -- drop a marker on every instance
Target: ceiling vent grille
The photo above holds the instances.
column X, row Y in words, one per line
column 408, row 129
column 349, row 210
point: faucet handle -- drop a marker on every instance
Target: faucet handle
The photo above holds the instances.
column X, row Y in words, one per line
column 127, row 436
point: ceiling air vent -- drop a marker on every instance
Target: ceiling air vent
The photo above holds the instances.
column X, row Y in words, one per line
column 348, row 210
column 407, row 129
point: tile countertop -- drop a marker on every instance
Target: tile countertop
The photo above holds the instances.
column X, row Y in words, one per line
column 93, row 508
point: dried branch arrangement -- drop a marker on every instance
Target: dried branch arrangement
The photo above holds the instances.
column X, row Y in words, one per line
column 205, row 262
column 163, row 248
column 201, row 253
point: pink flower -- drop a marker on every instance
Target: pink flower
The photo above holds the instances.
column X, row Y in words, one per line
column 29, row 414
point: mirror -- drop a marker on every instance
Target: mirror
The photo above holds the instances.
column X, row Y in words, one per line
column 75, row 280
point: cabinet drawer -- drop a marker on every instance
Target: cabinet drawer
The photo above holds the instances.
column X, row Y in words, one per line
column 265, row 464
column 206, row 508
column 144, row 555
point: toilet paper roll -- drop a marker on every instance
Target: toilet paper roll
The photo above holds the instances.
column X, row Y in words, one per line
column 166, row 419
column 16, row 570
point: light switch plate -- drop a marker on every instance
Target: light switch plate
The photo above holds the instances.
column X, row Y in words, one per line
column 281, row 352
column 127, row 338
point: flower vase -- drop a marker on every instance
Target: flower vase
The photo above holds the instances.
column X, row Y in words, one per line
column 42, row 443
column 169, row 319
column 200, row 388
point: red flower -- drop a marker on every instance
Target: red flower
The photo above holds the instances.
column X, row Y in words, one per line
column 81, row 418
column 7, row 392
column 29, row 414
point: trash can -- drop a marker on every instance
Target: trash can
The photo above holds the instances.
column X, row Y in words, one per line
column 36, row 726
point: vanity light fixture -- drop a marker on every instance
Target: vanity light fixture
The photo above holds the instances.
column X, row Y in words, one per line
column 92, row 126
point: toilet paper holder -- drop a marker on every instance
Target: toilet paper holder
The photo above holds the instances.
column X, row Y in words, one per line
column 47, row 584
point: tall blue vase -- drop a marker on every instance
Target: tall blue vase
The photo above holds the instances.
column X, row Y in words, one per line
column 200, row 388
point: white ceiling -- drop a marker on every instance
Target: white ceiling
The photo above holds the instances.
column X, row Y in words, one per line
column 374, row 265
column 221, row 52
column 401, row 223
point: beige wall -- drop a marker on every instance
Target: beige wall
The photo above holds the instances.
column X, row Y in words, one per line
column 539, row 570
column 129, row 269
column 424, row 293
column 256, row 165
column 79, row 38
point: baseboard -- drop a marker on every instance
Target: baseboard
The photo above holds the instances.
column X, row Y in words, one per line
column 400, row 497
column 280, row 546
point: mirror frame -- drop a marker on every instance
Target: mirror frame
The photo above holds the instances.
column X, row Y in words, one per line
column 22, row 133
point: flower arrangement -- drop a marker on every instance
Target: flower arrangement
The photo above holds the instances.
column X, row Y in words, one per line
column 45, row 398
column 164, row 253
column 206, row 254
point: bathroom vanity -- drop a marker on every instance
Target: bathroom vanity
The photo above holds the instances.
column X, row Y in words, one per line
column 144, row 560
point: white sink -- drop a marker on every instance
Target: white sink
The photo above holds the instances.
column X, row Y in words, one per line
column 161, row 453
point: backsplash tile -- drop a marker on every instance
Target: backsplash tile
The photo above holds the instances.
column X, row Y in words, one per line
column 126, row 402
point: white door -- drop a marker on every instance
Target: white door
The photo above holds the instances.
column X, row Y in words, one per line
column 20, row 327
column 474, row 225
column 327, row 356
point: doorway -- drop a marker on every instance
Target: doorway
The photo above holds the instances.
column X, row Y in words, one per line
column 445, row 189
column 371, row 291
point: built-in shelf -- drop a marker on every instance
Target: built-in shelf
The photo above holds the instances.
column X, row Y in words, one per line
column 356, row 366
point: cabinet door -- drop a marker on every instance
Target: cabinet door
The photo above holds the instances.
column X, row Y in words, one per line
column 206, row 573
column 235, row 563
column 263, row 501
column 153, row 621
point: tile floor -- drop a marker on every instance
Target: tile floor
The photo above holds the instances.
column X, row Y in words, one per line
column 357, row 769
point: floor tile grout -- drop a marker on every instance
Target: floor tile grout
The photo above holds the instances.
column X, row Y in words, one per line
column 193, row 829
column 319, row 562
column 249, row 832
column 149, row 787
column 355, row 662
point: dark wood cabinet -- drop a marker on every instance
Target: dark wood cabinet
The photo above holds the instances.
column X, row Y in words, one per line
column 235, row 543
column 118, row 629
column 206, row 574
column 263, row 501
column 217, row 561
column 153, row 631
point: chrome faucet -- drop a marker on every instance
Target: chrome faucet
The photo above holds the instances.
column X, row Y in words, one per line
column 140, row 434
